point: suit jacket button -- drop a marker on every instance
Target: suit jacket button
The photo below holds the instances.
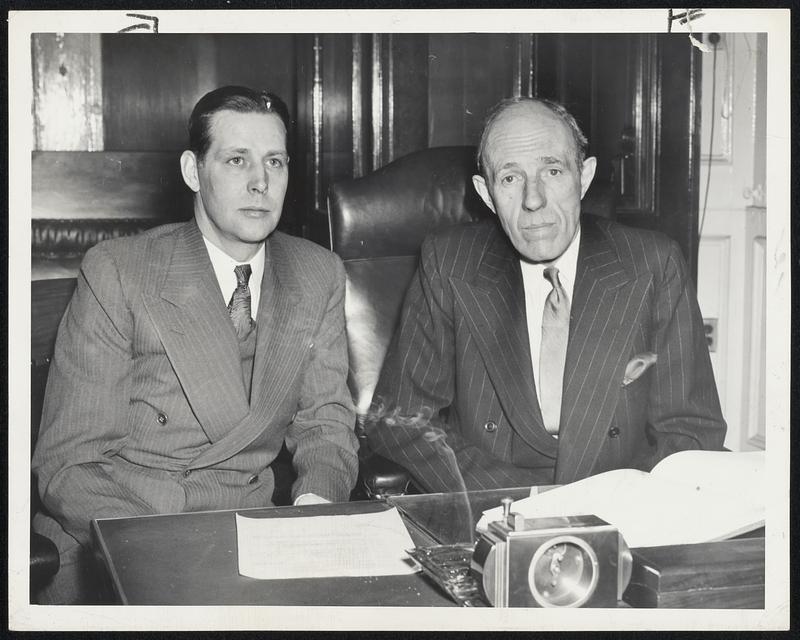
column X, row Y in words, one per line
column 162, row 418
column 187, row 473
column 252, row 479
column 490, row 427
column 613, row 432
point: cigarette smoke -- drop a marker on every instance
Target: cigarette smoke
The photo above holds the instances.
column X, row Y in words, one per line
column 379, row 418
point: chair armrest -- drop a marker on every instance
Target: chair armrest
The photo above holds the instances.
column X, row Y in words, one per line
column 44, row 560
column 382, row 477
column 379, row 477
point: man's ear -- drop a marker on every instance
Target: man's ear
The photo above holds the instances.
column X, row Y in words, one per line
column 587, row 174
column 189, row 170
column 483, row 191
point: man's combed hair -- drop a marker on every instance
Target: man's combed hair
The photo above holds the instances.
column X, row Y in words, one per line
column 230, row 98
column 581, row 143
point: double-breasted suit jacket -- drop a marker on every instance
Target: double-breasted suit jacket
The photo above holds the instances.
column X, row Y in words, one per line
column 146, row 409
column 456, row 402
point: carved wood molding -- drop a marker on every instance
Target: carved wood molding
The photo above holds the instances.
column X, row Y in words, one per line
column 641, row 140
column 56, row 239
column 356, row 96
column 523, row 75
column 316, row 122
column 377, row 101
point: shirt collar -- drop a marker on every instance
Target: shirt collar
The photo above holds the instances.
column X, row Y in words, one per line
column 224, row 265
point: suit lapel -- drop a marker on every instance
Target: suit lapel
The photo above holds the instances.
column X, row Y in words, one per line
column 193, row 323
column 284, row 329
column 606, row 301
column 493, row 304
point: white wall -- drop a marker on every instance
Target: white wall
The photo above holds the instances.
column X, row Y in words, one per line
column 732, row 259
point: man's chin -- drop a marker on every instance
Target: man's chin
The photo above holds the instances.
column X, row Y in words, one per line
column 539, row 252
column 259, row 232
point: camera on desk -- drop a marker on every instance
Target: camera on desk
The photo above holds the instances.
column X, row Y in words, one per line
column 573, row 561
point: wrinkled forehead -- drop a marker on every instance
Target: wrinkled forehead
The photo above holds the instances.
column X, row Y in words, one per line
column 227, row 126
column 525, row 132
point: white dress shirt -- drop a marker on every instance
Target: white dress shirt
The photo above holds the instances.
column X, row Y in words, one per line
column 224, row 267
column 537, row 288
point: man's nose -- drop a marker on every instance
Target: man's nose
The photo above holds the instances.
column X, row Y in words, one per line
column 534, row 197
column 259, row 180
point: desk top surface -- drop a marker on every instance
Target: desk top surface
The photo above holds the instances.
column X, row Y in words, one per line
column 191, row 558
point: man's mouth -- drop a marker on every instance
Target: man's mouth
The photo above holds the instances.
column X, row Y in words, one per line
column 254, row 210
column 537, row 226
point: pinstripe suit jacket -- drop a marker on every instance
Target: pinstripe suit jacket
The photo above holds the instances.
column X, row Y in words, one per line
column 146, row 410
column 457, row 387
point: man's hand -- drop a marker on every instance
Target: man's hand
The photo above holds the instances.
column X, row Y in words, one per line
column 309, row 498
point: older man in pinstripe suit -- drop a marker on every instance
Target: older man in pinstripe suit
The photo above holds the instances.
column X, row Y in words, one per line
column 547, row 348
column 160, row 399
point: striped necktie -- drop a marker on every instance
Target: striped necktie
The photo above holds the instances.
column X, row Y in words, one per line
column 239, row 306
column 553, row 352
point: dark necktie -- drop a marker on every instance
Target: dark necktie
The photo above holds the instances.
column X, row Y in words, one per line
column 553, row 352
column 239, row 306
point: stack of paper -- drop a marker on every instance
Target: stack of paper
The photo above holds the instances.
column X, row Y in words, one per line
column 370, row 544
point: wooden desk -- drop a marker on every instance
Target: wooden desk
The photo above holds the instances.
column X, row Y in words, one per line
column 190, row 559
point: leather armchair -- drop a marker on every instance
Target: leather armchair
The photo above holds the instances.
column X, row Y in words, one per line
column 378, row 223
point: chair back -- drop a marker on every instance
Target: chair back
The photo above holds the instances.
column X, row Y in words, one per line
column 378, row 223
column 49, row 300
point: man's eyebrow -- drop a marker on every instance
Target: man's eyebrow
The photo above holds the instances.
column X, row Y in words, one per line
column 542, row 159
column 245, row 150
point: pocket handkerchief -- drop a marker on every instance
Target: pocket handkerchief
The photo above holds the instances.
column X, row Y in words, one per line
column 638, row 365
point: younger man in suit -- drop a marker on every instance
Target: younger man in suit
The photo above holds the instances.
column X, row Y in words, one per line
column 191, row 353
column 551, row 347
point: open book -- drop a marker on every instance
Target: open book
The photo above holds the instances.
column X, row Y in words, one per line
column 689, row 497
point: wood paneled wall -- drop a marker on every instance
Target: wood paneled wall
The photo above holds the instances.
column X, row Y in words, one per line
column 151, row 83
column 363, row 100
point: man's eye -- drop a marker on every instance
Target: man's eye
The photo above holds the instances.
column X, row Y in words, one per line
column 554, row 172
column 275, row 163
column 236, row 161
column 509, row 179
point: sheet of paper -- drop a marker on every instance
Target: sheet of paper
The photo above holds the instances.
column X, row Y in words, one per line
column 656, row 509
column 369, row 544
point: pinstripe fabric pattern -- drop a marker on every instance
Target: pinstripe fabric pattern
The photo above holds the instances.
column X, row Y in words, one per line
column 146, row 411
column 459, row 364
